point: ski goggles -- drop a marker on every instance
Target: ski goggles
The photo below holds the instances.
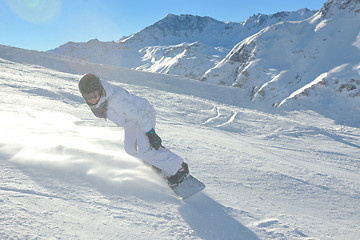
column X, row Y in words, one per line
column 92, row 95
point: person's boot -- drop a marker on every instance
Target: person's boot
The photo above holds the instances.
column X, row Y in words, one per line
column 174, row 180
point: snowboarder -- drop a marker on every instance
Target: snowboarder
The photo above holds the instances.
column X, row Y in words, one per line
column 137, row 116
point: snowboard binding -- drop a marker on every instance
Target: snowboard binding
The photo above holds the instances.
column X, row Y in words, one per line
column 176, row 179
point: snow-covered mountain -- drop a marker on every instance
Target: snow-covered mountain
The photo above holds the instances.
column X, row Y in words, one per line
column 290, row 63
column 175, row 44
column 286, row 60
column 174, row 29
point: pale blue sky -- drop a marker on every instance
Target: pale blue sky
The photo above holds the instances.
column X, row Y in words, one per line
column 47, row 24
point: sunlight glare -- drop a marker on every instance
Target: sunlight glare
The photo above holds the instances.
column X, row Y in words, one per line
column 36, row 11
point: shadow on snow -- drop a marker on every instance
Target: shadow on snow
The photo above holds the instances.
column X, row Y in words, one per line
column 209, row 220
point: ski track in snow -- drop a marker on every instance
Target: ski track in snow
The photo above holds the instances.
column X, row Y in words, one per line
column 64, row 174
column 220, row 118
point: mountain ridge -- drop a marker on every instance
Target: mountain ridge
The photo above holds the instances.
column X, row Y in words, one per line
column 170, row 31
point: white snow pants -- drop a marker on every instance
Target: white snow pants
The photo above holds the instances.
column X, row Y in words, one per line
column 137, row 144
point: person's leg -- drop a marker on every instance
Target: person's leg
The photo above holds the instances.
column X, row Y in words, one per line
column 130, row 139
column 162, row 158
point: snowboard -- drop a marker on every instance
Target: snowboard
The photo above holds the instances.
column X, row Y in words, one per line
column 188, row 187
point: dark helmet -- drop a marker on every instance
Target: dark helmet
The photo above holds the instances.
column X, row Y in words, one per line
column 89, row 83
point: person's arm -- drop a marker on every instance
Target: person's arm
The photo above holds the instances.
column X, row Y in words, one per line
column 136, row 109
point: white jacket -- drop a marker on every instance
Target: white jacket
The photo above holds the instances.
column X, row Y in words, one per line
column 124, row 107
column 138, row 117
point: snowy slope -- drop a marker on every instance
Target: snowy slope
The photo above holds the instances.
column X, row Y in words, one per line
column 65, row 175
column 290, row 62
column 175, row 44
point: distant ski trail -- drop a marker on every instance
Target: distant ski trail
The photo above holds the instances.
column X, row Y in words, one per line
column 229, row 121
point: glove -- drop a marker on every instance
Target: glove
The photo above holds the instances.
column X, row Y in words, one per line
column 154, row 139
